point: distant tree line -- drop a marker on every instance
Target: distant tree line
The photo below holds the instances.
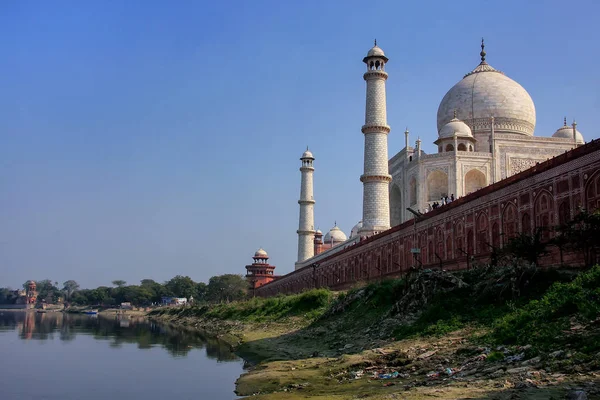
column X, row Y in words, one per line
column 228, row 287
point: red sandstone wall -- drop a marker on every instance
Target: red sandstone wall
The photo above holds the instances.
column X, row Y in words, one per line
column 464, row 231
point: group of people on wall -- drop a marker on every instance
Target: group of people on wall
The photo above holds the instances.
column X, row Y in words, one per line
column 444, row 200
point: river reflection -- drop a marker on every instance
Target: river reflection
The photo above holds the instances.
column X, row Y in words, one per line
column 116, row 330
column 119, row 357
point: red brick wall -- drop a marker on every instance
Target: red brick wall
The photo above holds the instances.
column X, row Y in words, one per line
column 464, row 231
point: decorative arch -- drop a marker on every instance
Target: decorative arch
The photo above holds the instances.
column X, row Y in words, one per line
column 462, row 147
column 509, row 222
column 592, row 192
column 437, row 185
column 564, row 212
column 482, row 233
column 395, row 205
column 544, row 212
column 449, row 247
column 474, row 180
column 459, row 234
column 439, row 242
column 449, row 147
column 412, row 191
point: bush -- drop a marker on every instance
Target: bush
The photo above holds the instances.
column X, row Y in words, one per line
column 542, row 322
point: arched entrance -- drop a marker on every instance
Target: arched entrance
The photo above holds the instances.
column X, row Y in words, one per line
column 474, row 180
column 437, row 185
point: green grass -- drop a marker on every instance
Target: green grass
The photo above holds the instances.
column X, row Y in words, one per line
column 310, row 305
column 543, row 322
column 489, row 297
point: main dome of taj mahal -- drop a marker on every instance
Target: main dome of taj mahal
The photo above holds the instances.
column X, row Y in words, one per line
column 486, row 92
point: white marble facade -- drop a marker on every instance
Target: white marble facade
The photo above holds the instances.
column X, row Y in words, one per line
column 486, row 126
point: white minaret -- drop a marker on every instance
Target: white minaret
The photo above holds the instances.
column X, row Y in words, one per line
column 376, row 177
column 306, row 228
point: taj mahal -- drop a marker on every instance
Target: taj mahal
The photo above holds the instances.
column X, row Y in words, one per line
column 485, row 123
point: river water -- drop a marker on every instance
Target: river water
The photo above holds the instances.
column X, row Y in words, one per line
column 56, row 356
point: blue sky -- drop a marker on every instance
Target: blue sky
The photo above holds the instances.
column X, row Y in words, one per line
column 146, row 139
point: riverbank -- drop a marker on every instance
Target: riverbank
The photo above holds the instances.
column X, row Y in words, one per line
column 501, row 333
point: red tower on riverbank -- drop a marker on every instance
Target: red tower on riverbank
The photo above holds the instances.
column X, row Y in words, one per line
column 31, row 292
column 260, row 271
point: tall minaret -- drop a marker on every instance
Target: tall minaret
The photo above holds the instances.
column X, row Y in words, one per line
column 376, row 177
column 306, row 229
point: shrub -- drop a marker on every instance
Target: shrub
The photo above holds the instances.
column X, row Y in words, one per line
column 542, row 322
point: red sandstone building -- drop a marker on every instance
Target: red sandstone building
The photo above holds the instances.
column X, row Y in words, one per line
column 466, row 230
column 260, row 272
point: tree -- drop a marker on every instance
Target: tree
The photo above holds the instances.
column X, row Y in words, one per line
column 7, row 296
column 70, row 287
column 155, row 288
column 201, row 291
column 582, row 234
column 228, row 287
column 47, row 291
column 181, row 286
column 528, row 247
column 119, row 283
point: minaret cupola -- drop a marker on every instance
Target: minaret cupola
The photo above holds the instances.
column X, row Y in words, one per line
column 375, row 59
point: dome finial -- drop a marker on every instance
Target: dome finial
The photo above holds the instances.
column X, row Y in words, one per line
column 482, row 54
column 375, row 42
column 565, row 121
column 455, row 113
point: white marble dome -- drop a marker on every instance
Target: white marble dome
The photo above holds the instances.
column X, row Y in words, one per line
column 336, row 235
column 261, row 253
column 455, row 126
column 566, row 132
column 486, row 92
column 307, row 154
column 354, row 231
column 376, row 51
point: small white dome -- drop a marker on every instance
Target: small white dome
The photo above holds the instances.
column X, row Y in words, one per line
column 354, row 231
column 318, row 232
column 261, row 253
column 376, row 51
column 566, row 132
column 455, row 126
column 336, row 235
column 307, row 154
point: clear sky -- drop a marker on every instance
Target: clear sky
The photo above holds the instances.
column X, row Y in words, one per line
column 146, row 139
